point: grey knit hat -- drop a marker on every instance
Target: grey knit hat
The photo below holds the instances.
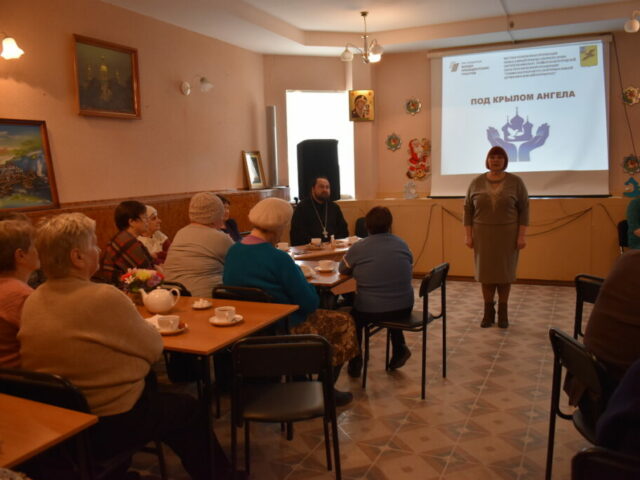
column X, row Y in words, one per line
column 206, row 208
column 271, row 214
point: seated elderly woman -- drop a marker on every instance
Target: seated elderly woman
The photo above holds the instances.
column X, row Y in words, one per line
column 196, row 257
column 382, row 266
column 92, row 334
column 255, row 262
column 124, row 251
column 18, row 259
column 230, row 225
column 156, row 242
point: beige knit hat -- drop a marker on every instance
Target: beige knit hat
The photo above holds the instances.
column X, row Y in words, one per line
column 271, row 214
column 206, row 208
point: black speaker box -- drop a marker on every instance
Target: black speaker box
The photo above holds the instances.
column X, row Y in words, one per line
column 318, row 158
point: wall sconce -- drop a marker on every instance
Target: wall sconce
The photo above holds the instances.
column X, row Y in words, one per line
column 371, row 53
column 10, row 48
column 203, row 82
column 632, row 25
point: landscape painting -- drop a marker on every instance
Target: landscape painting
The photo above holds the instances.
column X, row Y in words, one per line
column 26, row 173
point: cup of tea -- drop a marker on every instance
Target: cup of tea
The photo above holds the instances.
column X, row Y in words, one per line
column 225, row 314
column 316, row 242
column 284, row 246
column 168, row 322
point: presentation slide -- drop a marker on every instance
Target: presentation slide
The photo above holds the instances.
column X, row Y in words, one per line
column 545, row 105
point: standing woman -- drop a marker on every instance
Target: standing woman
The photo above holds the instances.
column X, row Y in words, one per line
column 496, row 215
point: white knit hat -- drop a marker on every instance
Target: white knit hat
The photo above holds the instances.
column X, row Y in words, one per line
column 271, row 214
column 151, row 211
column 206, row 208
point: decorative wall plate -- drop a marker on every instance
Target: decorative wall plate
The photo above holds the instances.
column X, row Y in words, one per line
column 413, row 106
column 393, row 142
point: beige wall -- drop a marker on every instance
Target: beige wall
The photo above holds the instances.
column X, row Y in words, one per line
column 180, row 144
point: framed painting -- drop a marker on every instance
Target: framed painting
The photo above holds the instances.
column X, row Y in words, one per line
column 253, row 169
column 26, row 173
column 361, row 105
column 106, row 78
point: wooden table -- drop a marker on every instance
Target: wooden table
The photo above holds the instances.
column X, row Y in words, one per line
column 203, row 339
column 305, row 252
column 28, row 428
column 329, row 284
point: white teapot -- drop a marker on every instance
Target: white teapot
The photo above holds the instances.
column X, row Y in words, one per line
column 160, row 300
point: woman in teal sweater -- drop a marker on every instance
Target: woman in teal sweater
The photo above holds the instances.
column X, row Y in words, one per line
column 255, row 262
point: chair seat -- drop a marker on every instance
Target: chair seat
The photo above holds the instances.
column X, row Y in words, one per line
column 285, row 402
column 411, row 322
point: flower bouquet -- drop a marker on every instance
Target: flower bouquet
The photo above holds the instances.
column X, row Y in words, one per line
column 138, row 279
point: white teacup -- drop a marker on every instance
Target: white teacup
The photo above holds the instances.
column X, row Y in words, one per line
column 316, row 242
column 327, row 264
column 225, row 314
column 168, row 322
column 284, row 246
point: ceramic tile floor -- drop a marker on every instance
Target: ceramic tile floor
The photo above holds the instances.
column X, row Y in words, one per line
column 487, row 420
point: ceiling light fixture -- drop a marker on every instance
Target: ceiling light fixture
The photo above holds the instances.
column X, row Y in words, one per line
column 632, row 25
column 10, row 48
column 371, row 53
column 205, row 85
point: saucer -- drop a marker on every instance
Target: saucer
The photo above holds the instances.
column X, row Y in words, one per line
column 325, row 270
column 201, row 305
column 225, row 323
column 174, row 332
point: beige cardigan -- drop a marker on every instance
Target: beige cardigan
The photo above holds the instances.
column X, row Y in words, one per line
column 92, row 335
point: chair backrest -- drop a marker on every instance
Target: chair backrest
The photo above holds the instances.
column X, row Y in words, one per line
column 436, row 278
column 587, row 290
column 290, row 355
column 42, row 387
column 597, row 463
column 184, row 291
column 623, row 233
column 249, row 294
column 361, row 228
column 583, row 367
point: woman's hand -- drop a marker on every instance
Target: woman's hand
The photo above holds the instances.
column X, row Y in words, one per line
column 468, row 241
column 521, row 243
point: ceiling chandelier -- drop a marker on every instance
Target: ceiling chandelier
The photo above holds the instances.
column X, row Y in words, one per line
column 371, row 53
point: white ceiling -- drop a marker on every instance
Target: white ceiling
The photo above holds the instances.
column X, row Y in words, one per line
column 322, row 27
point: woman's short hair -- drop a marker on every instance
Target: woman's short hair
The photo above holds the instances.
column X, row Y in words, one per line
column 497, row 151
column 14, row 235
column 57, row 236
column 271, row 214
column 378, row 220
column 128, row 210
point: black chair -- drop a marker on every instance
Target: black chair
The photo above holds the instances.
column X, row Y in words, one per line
column 416, row 322
column 291, row 356
column 587, row 289
column 184, row 291
column 597, row 463
column 587, row 372
column 361, row 228
column 57, row 391
column 623, row 235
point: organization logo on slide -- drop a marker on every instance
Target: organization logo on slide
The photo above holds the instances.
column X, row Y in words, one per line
column 453, row 66
column 588, row 56
column 517, row 137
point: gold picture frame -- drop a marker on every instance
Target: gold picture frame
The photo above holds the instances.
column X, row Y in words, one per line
column 253, row 170
column 107, row 82
column 361, row 105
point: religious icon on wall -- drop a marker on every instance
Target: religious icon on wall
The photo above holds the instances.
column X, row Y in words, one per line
column 106, row 78
column 361, row 105
column 253, row 170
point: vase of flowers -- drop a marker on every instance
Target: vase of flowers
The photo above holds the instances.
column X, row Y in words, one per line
column 139, row 279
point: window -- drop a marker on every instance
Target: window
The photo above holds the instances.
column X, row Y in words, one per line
column 316, row 115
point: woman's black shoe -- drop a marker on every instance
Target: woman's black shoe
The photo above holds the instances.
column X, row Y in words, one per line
column 399, row 358
column 342, row 398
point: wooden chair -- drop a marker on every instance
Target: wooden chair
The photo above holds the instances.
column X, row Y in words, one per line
column 291, row 356
column 416, row 322
column 57, row 391
column 588, row 372
column 587, row 290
